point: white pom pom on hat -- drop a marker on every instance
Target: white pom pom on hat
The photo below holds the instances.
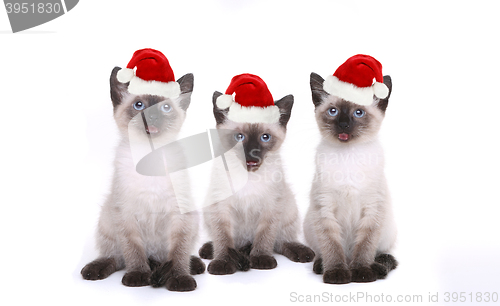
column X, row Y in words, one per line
column 380, row 90
column 124, row 75
column 224, row 101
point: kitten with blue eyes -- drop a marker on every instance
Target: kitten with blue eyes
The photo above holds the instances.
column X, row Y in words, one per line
column 349, row 223
column 141, row 228
column 261, row 218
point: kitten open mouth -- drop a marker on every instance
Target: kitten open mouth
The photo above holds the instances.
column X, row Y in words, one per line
column 344, row 136
column 151, row 129
column 252, row 165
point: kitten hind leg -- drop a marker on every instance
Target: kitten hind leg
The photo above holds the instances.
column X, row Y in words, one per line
column 100, row 268
column 318, row 266
column 207, row 250
column 384, row 263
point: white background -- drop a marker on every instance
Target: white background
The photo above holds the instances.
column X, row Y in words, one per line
column 440, row 135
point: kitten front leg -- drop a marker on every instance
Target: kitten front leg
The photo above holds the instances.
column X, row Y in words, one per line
column 363, row 267
column 226, row 260
column 263, row 244
column 175, row 273
column 332, row 261
column 136, row 261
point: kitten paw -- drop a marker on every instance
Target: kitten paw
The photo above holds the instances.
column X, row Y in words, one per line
column 246, row 249
column 99, row 269
column 380, row 270
column 181, row 283
column 298, row 252
column 153, row 264
column 221, row 267
column 264, row 262
column 207, row 250
column 363, row 274
column 318, row 266
column 240, row 259
column 387, row 260
column 196, row 266
column 337, row 276
column 160, row 274
column 136, row 278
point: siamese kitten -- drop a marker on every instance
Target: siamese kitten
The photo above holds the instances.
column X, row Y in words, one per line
column 140, row 227
column 349, row 223
column 262, row 216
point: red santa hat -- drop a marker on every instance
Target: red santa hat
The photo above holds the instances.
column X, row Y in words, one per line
column 357, row 80
column 152, row 75
column 252, row 101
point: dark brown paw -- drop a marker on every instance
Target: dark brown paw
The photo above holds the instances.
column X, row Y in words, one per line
column 153, row 264
column 298, row 252
column 221, row 267
column 99, row 269
column 363, row 275
column 181, row 283
column 246, row 249
column 239, row 259
column 264, row 262
column 337, row 276
column 379, row 270
column 387, row 260
column 207, row 250
column 196, row 266
column 136, row 279
column 318, row 266
column 160, row 275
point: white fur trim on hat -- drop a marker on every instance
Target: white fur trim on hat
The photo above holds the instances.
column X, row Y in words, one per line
column 138, row 86
column 350, row 92
column 224, row 101
column 124, row 75
column 253, row 114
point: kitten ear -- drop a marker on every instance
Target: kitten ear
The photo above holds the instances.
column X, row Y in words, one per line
column 186, row 83
column 117, row 88
column 318, row 93
column 382, row 103
column 285, row 105
column 219, row 114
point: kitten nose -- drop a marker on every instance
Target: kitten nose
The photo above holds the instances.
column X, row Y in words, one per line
column 344, row 125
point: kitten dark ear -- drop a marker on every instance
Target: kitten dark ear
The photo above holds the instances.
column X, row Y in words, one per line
column 186, row 82
column 382, row 103
column 117, row 89
column 318, row 93
column 219, row 114
column 285, row 105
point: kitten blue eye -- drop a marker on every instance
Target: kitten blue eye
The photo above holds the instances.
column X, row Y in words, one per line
column 359, row 113
column 166, row 108
column 239, row 137
column 139, row 105
column 333, row 112
column 265, row 137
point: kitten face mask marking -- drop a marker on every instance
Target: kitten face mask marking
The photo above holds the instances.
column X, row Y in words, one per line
column 257, row 140
column 151, row 115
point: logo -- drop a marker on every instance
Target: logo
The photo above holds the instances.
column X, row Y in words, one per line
column 25, row 14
